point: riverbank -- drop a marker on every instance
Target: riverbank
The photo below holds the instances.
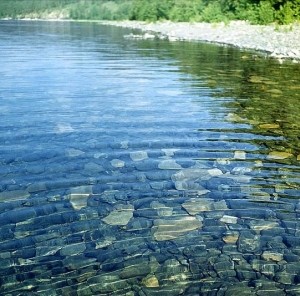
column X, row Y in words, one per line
column 281, row 42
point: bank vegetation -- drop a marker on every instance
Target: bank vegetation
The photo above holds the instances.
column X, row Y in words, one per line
column 255, row 11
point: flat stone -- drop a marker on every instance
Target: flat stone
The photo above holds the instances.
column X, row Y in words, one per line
column 231, row 238
column 248, row 242
column 239, row 289
column 169, row 164
column 100, row 155
column 220, row 205
column 73, row 152
column 135, row 270
column 259, row 225
column 71, row 250
column 196, row 205
column 79, row 196
column 191, row 174
column 124, row 144
column 162, row 209
column 117, row 163
column 169, row 152
column 186, row 185
column 36, row 187
column 7, row 196
column 229, row 219
column 239, row 155
column 106, row 284
column 233, row 117
column 272, row 256
column 138, row 155
column 173, row 228
column 119, row 216
column 93, row 167
column 269, row 126
column 150, row 281
column 279, row 155
column 215, row 172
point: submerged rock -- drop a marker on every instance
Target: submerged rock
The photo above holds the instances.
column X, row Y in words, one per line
column 150, row 281
column 196, row 205
column 79, row 196
column 229, row 219
column 173, row 228
column 169, row 164
column 259, row 225
column 117, row 163
column 73, row 152
column 7, row 196
column 138, row 155
column 120, row 216
column 239, row 155
column 272, row 256
column 279, row 155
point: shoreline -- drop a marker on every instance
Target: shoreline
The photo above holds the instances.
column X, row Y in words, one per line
column 281, row 43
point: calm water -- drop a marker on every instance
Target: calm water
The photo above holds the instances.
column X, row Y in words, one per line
column 133, row 167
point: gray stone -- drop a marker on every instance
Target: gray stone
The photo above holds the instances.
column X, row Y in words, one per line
column 272, row 256
column 71, row 250
column 195, row 206
column 191, row 174
column 285, row 278
column 162, row 210
column 259, row 225
column 229, row 219
column 79, row 196
column 7, row 196
column 119, row 216
column 138, row 155
column 36, row 187
column 239, row 155
column 133, row 271
column 169, row 164
column 71, row 152
column 117, row 163
column 173, row 228
column 248, row 242
column 93, row 168
column 239, row 289
column 106, row 284
column 150, row 281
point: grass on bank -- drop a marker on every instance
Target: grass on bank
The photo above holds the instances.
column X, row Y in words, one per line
column 255, row 11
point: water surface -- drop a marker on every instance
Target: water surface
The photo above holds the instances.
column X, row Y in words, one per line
column 145, row 167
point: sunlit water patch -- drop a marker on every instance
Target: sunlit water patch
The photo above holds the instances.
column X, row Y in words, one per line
column 132, row 167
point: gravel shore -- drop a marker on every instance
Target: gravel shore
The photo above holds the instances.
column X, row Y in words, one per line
column 282, row 42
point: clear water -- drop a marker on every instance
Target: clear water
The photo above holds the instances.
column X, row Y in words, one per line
column 133, row 167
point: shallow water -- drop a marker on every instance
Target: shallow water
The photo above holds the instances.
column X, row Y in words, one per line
column 145, row 167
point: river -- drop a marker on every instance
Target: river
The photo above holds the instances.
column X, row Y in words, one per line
column 145, row 167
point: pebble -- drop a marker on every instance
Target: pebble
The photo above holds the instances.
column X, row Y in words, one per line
column 169, row 229
column 272, row 256
column 169, row 164
column 239, row 155
column 279, row 155
column 138, row 155
column 229, row 219
column 117, row 163
column 150, row 281
column 248, row 36
column 120, row 216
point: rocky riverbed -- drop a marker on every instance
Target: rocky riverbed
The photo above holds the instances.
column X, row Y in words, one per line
column 282, row 42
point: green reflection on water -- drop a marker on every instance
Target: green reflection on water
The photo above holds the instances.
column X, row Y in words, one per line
column 262, row 92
